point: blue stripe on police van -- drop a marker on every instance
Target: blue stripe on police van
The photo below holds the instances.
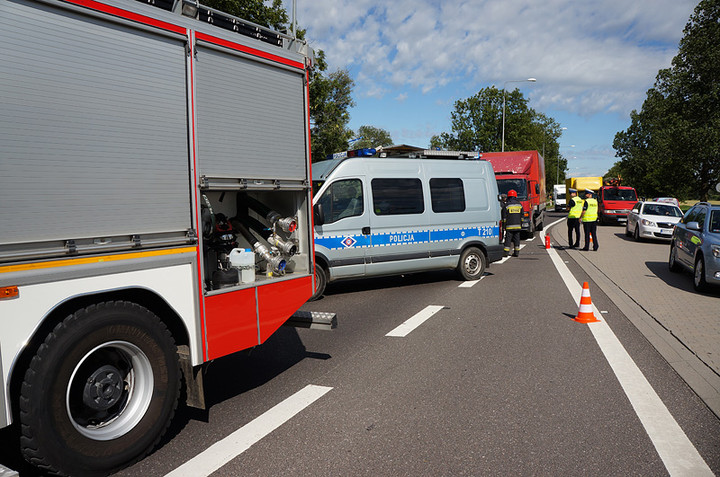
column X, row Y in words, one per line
column 338, row 242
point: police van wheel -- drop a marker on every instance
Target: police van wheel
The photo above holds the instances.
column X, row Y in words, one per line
column 100, row 391
column 472, row 264
column 320, row 282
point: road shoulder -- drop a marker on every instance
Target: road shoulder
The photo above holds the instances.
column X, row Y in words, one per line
column 701, row 379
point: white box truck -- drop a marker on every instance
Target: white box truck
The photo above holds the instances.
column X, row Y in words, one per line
column 140, row 146
column 559, row 199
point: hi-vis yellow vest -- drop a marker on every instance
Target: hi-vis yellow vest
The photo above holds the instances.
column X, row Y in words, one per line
column 576, row 210
column 591, row 212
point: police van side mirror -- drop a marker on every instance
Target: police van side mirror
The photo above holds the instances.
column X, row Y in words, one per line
column 318, row 214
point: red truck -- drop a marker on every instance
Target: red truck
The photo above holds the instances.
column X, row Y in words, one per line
column 615, row 201
column 523, row 171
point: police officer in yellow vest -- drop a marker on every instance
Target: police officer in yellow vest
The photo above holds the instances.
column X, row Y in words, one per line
column 589, row 219
column 573, row 219
column 512, row 215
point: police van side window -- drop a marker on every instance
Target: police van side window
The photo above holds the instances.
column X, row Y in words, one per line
column 447, row 195
column 397, row 196
column 342, row 199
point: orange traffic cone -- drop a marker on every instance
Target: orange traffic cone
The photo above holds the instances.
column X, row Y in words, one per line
column 585, row 313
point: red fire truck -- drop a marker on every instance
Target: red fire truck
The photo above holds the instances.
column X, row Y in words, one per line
column 156, row 214
column 615, row 201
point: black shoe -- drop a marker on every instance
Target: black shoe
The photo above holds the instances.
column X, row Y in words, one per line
column 595, row 249
column 584, row 249
column 516, row 254
column 571, row 246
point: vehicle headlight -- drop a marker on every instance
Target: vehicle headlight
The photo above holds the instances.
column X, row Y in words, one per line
column 648, row 223
column 715, row 250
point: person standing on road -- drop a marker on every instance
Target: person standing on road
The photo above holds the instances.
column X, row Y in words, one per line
column 512, row 216
column 589, row 219
column 573, row 220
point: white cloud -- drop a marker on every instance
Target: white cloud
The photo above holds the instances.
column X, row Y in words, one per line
column 589, row 57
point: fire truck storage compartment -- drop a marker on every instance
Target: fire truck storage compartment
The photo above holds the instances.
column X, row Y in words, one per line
column 255, row 211
column 93, row 129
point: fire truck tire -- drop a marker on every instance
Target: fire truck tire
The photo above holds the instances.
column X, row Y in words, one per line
column 100, row 391
column 320, row 282
column 472, row 264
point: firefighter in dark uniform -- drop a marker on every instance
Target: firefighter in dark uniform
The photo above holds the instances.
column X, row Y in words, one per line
column 575, row 208
column 589, row 220
column 512, row 216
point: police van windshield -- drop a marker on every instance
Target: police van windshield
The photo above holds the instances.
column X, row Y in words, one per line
column 518, row 185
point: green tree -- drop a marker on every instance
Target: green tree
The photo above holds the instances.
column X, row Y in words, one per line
column 672, row 146
column 372, row 137
column 477, row 125
column 330, row 100
column 330, row 94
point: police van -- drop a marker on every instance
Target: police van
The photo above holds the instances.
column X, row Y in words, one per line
column 425, row 210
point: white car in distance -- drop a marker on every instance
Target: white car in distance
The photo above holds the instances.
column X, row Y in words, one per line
column 652, row 220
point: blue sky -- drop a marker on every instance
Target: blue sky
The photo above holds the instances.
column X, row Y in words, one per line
column 411, row 60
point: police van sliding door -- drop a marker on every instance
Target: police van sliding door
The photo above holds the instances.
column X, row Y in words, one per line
column 344, row 236
column 398, row 225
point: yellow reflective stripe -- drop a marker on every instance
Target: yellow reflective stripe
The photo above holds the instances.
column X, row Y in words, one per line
column 96, row 259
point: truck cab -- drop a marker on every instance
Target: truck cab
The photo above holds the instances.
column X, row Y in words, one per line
column 615, row 203
column 559, row 197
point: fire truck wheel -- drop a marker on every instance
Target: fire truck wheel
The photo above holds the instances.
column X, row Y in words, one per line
column 472, row 264
column 100, row 392
column 320, row 282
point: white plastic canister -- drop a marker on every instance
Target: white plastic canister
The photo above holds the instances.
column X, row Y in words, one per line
column 244, row 260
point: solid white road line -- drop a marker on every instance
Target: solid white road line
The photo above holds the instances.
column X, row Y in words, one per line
column 416, row 320
column 672, row 444
column 239, row 441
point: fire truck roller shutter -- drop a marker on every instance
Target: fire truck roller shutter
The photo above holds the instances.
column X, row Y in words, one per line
column 94, row 115
column 251, row 116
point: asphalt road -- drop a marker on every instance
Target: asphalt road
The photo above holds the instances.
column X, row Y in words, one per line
column 499, row 381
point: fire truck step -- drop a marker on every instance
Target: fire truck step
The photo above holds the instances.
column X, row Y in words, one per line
column 316, row 320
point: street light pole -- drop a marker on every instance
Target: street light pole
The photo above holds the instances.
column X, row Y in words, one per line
column 557, row 159
column 531, row 80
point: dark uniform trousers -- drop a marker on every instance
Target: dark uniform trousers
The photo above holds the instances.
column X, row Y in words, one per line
column 573, row 226
column 590, row 228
